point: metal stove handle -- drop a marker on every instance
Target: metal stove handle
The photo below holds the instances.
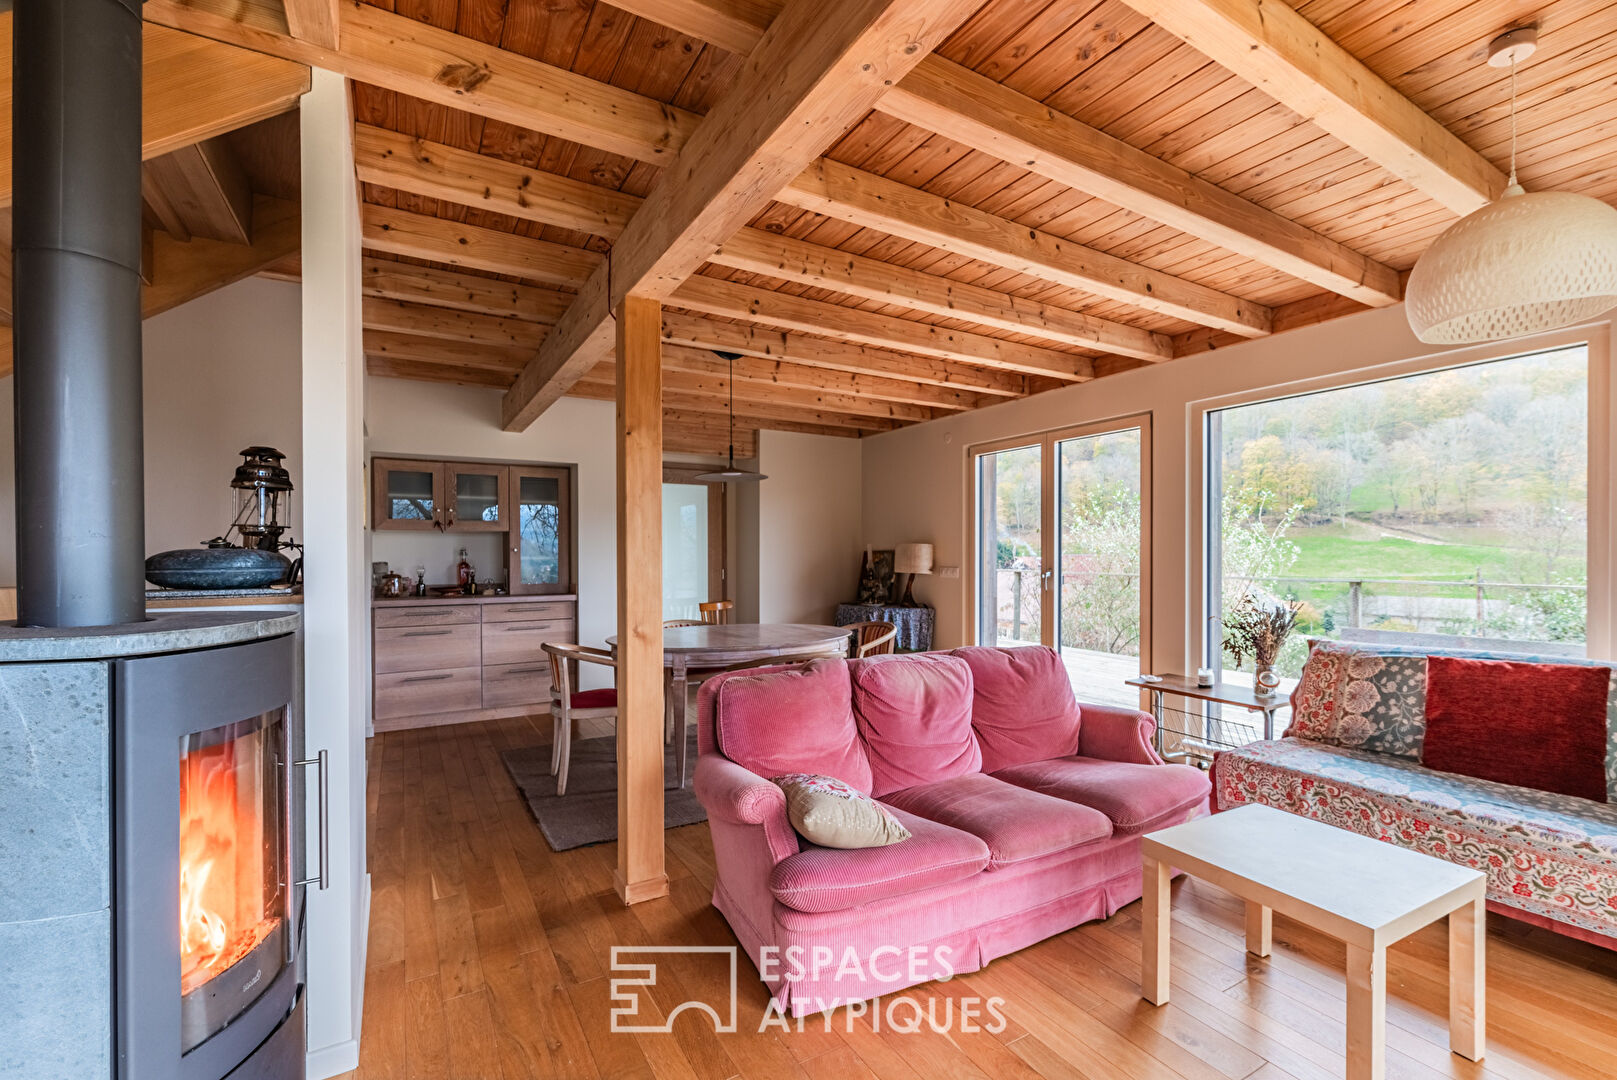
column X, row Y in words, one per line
column 323, row 879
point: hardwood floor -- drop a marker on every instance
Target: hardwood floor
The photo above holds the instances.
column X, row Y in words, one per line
column 489, row 953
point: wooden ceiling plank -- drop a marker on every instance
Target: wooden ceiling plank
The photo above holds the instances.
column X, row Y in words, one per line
column 714, row 297
column 424, row 236
column 954, row 101
column 185, row 270
column 1268, row 44
column 598, row 383
column 802, row 377
column 205, row 188
column 705, row 333
column 816, row 71
column 191, row 89
column 444, row 172
column 466, row 354
column 392, row 280
column 159, row 207
column 874, row 202
column 430, row 372
column 426, row 320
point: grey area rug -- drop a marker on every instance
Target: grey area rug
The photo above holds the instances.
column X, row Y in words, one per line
column 588, row 813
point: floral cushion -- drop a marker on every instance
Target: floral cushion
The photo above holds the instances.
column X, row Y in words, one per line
column 1373, row 697
column 1554, row 856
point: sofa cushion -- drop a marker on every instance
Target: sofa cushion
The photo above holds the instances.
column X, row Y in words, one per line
column 795, row 720
column 831, row 879
column 1022, row 704
column 1552, row 856
column 1541, row 726
column 827, row 812
column 914, row 713
column 1015, row 823
column 1361, row 696
column 1135, row 798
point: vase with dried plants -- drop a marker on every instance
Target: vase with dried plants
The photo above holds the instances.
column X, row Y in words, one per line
column 1258, row 628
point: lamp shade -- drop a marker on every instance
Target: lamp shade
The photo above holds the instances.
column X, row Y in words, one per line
column 1525, row 264
column 912, row 559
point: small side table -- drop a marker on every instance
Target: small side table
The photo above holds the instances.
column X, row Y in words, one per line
column 1221, row 693
column 914, row 623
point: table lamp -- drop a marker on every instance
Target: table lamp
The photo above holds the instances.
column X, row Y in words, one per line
column 912, row 559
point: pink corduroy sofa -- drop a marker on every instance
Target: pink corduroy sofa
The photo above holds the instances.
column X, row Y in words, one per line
column 1024, row 807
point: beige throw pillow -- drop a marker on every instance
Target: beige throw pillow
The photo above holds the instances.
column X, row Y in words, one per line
column 831, row 814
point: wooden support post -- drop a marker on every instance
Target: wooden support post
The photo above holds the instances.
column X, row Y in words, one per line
column 639, row 874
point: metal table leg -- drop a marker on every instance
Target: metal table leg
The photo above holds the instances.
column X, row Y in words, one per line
column 1156, row 712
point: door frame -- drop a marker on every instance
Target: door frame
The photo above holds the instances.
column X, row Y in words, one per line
column 1049, row 524
column 718, row 575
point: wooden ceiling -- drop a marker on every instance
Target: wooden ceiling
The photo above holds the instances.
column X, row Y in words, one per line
column 1061, row 191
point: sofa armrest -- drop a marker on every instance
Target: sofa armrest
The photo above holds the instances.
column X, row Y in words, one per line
column 1115, row 734
column 738, row 796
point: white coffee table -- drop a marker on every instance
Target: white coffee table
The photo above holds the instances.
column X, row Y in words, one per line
column 1363, row 892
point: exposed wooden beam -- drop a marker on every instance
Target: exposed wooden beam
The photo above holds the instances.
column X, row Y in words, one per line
column 444, row 172
column 412, row 57
column 714, row 297
column 960, row 104
column 598, row 384
column 1275, row 48
column 875, row 202
column 817, row 70
column 709, row 376
column 467, row 292
column 468, row 354
column 314, row 21
column 433, row 372
column 191, row 89
column 706, row 419
column 425, row 320
column 158, row 209
column 422, row 236
column 184, row 271
column 203, row 189
column 771, row 344
column 775, row 373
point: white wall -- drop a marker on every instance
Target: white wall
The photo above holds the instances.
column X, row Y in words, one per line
column 808, row 525
column 917, row 486
column 222, row 373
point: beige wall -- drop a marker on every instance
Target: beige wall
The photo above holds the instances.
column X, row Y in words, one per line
column 221, row 373
column 808, row 525
column 916, row 484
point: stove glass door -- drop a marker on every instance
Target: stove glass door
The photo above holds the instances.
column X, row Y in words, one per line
column 233, row 860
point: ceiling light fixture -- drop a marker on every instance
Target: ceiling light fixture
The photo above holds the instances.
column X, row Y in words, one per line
column 730, row 472
column 1522, row 265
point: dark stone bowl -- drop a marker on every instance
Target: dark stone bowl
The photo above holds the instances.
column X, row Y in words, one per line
column 217, row 568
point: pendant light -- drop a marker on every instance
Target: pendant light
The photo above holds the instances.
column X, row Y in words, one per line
column 1525, row 264
column 730, row 472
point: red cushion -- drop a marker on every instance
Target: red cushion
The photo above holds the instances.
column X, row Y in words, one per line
column 1015, row 823
column 1023, row 708
column 1534, row 725
column 914, row 713
column 596, row 699
column 792, row 720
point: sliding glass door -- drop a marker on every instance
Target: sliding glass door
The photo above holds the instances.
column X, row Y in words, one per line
column 1062, row 528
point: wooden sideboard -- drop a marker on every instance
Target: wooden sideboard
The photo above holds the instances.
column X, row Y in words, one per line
column 452, row 659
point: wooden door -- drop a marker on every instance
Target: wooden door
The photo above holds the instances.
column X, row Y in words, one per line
column 541, row 530
column 478, row 497
column 407, row 494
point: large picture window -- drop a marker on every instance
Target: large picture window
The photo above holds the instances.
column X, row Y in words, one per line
column 1447, row 509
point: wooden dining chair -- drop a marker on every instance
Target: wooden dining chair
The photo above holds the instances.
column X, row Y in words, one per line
column 873, row 638
column 669, row 624
column 568, row 704
column 715, row 612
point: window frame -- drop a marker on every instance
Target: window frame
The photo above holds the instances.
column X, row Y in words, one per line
column 1601, row 540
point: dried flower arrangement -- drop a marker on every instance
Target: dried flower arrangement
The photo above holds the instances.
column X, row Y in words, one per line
column 1258, row 628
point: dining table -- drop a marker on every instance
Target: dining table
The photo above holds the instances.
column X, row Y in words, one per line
column 714, row 647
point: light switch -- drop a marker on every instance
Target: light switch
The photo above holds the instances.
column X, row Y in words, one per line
column 946, row 571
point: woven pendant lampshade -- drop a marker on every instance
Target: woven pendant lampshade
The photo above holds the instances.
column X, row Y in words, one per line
column 1524, row 264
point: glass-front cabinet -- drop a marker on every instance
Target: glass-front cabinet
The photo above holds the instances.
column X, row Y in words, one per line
column 477, row 497
column 407, row 495
column 542, row 522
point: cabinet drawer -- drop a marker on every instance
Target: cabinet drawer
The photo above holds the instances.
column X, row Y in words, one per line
column 423, row 692
column 517, row 684
column 426, row 615
column 528, row 611
column 518, row 642
column 427, row 648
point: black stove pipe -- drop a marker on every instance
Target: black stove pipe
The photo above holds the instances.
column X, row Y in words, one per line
column 76, row 151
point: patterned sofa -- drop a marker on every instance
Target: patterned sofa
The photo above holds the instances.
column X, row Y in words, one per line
column 1351, row 758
